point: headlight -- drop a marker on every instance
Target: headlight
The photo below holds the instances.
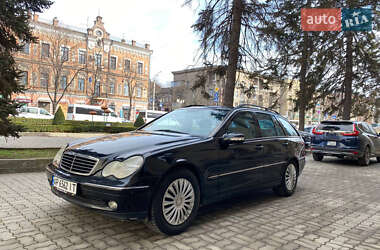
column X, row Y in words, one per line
column 58, row 156
column 122, row 169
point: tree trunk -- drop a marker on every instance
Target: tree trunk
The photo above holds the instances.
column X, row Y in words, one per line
column 130, row 109
column 54, row 107
column 233, row 53
column 347, row 102
column 303, row 89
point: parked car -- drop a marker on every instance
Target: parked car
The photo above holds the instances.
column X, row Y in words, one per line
column 306, row 138
column 376, row 127
column 309, row 129
column 357, row 140
column 81, row 112
column 164, row 171
column 34, row 112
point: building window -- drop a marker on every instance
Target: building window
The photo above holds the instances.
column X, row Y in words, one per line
column 45, row 52
column 44, row 80
column 24, row 78
column 140, row 67
column 63, row 82
column 25, row 48
column 82, row 57
column 126, row 91
column 64, row 54
column 112, row 88
column 127, row 65
column 113, row 62
column 98, row 59
column 138, row 92
column 81, row 84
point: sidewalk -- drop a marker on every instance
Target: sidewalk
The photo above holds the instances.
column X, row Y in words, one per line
column 43, row 140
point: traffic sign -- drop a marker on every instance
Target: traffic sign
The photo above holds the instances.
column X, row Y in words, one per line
column 216, row 96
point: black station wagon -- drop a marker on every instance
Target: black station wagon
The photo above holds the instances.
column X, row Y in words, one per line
column 165, row 170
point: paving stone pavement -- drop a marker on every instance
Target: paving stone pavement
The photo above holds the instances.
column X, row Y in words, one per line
column 336, row 206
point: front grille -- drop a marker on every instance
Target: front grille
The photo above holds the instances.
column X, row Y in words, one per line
column 78, row 163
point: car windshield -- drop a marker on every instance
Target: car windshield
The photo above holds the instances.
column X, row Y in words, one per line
column 193, row 121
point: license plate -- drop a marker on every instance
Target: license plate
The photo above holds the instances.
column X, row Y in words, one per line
column 64, row 185
column 331, row 143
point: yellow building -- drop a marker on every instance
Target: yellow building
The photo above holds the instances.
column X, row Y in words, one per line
column 92, row 66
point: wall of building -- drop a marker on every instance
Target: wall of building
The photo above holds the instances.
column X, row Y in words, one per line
column 93, row 41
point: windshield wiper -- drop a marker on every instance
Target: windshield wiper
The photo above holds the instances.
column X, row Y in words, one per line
column 170, row 131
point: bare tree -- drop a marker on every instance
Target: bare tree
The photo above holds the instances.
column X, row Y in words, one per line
column 95, row 69
column 55, row 59
column 131, row 78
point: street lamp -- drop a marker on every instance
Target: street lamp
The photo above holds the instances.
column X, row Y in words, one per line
column 154, row 88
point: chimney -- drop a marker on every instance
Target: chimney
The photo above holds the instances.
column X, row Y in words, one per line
column 133, row 43
column 35, row 17
column 55, row 21
column 147, row 46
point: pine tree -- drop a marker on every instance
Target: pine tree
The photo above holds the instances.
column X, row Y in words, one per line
column 59, row 117
column 227, row 35
column 14, row 31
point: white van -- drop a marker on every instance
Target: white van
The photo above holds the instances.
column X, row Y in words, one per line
column 81, row 112
column 34, row 112
column 150, row 115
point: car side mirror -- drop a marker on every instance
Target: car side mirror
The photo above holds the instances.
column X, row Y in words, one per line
column 233, row 138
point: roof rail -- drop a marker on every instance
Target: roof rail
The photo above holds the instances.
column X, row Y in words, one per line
column 194, row 105
column 256, row 107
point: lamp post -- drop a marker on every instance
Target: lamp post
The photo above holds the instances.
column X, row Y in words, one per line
column 154, row 89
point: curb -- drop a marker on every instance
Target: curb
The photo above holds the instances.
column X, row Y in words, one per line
column 8, row 166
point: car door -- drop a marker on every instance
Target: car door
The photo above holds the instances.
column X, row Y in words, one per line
column 237, row 161
column 32, row 113
column 275, row 147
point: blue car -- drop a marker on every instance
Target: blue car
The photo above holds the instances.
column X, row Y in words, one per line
column 356, row 140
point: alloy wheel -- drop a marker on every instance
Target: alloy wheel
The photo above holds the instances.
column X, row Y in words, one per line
column 290, row 177
column 178, row 201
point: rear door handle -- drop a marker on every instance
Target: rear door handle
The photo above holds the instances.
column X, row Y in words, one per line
column 259, row 147
column 285, row 143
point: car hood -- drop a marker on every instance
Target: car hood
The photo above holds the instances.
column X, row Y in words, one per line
column 124, row 145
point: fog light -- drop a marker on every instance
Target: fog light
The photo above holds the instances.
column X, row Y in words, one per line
column 112, row 205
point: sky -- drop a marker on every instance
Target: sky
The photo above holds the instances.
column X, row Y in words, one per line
column 164, row 24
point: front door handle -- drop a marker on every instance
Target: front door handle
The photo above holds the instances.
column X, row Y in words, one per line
column 285, row 143
column 259, row 147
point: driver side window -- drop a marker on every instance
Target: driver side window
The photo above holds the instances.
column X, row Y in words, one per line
column 243, row 123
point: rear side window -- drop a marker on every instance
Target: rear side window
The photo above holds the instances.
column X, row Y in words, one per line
column 70, row 110
column 266, row 124
column 86, row 111
column 288, row 128
column 336, row 126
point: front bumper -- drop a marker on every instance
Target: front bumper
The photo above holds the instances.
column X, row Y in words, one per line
column 133, row 201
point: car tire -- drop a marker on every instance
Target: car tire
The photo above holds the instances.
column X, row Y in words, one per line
column 317, row 157
column 289, row 180
column 182, row 203
column 366, row 158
